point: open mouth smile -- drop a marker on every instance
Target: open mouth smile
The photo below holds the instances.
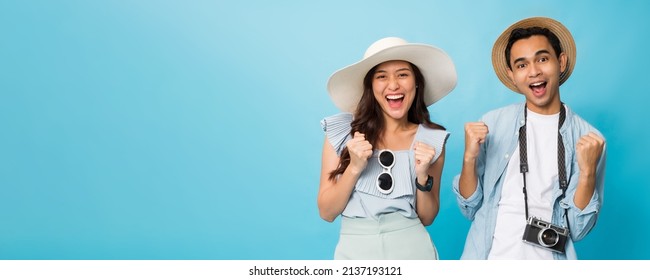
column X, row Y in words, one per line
column 538, row 88
column 395, row 100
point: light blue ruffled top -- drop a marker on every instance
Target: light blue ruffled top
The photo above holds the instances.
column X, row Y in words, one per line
column 366, row 200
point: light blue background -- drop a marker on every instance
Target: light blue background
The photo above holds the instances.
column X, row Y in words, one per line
column 190, row 129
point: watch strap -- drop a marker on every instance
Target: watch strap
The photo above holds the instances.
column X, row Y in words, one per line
column 427, row 187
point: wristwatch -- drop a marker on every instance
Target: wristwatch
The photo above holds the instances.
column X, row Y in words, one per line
column 427, row 187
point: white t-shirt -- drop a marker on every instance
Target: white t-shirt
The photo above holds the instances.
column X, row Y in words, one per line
column 541, row 135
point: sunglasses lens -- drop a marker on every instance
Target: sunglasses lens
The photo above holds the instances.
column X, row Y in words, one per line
column 385, row 181
column 386, row 159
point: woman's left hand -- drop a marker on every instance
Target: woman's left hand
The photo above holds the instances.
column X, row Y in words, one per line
column 423, row 159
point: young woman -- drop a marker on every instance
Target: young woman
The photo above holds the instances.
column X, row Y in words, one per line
column 383, row 156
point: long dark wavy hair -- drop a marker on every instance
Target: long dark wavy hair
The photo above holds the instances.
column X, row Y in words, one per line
column 369, row 120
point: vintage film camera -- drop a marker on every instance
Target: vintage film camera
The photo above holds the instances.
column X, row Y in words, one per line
column 545, row 235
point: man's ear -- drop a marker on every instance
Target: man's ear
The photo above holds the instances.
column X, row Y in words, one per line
column 563, row 61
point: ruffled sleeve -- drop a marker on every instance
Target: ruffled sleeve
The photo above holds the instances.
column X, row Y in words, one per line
column 435, row 138
column 337, row 130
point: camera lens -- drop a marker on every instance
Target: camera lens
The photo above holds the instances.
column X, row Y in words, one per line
column 548, row 237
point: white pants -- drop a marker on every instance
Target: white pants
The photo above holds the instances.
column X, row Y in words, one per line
column 392, row 237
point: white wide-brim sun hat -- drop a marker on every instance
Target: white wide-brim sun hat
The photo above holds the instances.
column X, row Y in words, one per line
column 345, row 86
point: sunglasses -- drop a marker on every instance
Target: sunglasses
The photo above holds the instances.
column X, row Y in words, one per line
column 385, row 179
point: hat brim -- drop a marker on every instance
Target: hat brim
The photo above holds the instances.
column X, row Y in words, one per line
column 566, row 42
column 345, row 86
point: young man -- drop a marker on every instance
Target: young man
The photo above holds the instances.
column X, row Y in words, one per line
column 533, row 173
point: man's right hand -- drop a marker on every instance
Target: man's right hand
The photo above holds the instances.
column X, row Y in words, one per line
column 475, row 134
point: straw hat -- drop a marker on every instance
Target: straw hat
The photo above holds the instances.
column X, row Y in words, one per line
column 566, row 42
column 345, row 86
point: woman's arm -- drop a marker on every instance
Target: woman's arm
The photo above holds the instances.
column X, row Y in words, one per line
column 428, row 203
column 333, row 195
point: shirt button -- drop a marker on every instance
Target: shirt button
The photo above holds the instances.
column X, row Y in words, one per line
column 506, row 156
column 521, row 122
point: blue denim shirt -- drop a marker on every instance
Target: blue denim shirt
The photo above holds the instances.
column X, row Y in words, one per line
column 482, row 206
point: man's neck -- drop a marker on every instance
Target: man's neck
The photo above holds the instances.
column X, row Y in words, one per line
column 548, row 109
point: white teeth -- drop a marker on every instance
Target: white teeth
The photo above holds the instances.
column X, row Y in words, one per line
column 392, row 97
column 537, row 84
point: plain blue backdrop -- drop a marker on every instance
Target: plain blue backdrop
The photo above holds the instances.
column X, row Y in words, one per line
column 190, row 129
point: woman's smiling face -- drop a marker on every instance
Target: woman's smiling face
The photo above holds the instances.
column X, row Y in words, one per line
column 393, row 85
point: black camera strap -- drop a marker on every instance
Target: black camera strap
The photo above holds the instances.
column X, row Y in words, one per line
column 523, row 158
